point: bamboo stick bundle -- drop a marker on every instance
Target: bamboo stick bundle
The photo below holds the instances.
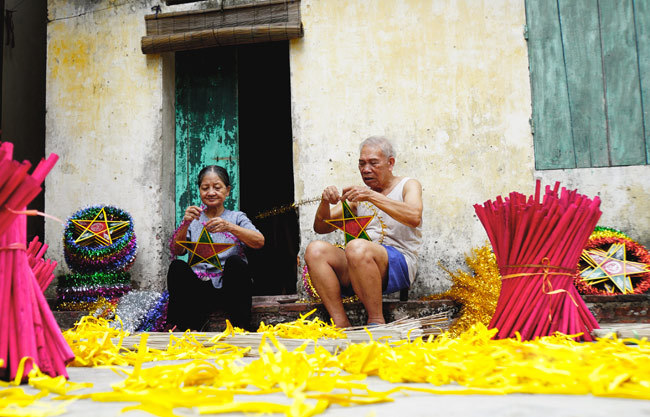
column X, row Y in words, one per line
column 27, row 326
column 537, row 245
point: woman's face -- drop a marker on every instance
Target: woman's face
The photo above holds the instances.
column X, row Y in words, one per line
column 213, row 191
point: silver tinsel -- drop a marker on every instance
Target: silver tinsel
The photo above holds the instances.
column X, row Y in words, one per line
column 133, row 308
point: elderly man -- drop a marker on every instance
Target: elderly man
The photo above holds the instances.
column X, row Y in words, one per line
column 385, row 264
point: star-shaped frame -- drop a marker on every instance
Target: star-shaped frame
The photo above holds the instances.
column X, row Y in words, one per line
column 204, row 250
column 353, row 226
column 611, row 265
column 100, row 229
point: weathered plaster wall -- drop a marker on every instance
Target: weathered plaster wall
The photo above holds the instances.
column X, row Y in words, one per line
column 446, row 79
column 107, row 121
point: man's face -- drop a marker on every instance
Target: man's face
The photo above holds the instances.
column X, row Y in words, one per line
column 375, row 167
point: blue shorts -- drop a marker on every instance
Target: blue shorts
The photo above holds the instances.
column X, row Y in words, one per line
column 398, row 274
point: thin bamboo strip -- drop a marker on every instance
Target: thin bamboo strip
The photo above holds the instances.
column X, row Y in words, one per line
column 395, row 331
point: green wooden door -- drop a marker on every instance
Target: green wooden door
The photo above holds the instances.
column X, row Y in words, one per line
column 207, row 130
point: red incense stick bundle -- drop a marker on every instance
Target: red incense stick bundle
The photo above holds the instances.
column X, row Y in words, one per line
column 537, row 245
column 27, row 326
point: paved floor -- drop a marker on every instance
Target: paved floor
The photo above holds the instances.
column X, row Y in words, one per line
column 413, row 405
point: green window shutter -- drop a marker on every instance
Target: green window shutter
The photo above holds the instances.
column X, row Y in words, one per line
column 551, row 116
column 588, row 63
column 623, row 97
column 581, row 40
column 642, row 24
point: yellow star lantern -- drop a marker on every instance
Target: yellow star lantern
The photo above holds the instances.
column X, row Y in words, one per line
column 99, row 229
column 204, row 250
column 353, row 226
column 611, row 266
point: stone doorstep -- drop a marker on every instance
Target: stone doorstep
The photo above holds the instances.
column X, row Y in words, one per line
column 631, row 308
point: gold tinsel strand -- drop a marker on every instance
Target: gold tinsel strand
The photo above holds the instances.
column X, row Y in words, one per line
column 283, row 209
column 477, row 293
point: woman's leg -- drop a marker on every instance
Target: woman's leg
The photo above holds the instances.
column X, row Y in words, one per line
column 187, row 307
column 237, row 293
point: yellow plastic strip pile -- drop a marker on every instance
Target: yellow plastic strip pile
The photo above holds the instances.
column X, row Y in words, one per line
column 303, row 329
column 472, row 363
column 15, row 402
column 95, row 343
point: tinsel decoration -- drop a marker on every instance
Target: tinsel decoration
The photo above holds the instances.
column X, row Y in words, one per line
column 477, row 293
column 99, row 279
column 133, row 308
column 286, row 208
column 101, row 308
column 99, row 265
column 156, row 317
column 89, row 256
column 603, row 238
column 91, row 293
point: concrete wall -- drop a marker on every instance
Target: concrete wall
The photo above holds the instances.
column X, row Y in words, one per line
column 108, row 117
column 447, row 80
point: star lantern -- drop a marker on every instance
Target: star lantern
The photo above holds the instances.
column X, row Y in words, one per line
column 204, row 250
column 99, row 230
column 611, row 267
column 353, row 226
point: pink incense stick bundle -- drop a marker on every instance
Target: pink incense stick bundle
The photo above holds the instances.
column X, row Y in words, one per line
column 43, row 269
column 27, row 326
column 537, row 246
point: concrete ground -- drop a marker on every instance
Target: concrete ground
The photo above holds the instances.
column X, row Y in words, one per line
column 412, row 405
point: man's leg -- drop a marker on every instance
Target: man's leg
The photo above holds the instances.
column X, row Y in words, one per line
column 367, row 271
column 327, row 268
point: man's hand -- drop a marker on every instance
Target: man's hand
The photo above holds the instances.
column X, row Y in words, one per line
column 331, row 195
column 356, row 193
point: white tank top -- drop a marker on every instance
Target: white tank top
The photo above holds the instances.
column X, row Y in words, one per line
column 407, row 240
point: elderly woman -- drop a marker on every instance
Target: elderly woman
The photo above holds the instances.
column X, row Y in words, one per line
column 195, row 290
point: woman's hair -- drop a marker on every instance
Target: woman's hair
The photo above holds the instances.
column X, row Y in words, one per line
column 220, row 171
column 382, row 143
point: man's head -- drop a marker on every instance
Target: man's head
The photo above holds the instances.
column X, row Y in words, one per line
column 376, row 162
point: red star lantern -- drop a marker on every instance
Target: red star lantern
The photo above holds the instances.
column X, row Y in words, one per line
column 100, row 229
column 353, row 226
column 204, row 250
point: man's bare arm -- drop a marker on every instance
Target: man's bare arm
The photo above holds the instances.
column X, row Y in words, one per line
column 408, row 212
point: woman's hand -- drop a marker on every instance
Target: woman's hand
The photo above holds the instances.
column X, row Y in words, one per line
column 192, row 213
column 217, row 224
